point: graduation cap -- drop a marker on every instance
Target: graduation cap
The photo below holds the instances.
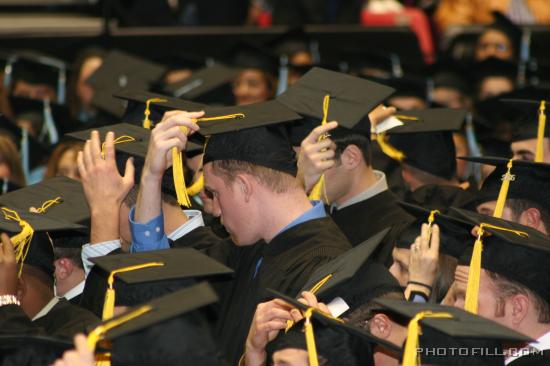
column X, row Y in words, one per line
column 252, row 134
column 145, row 109
column 448, row 73
column 58, row 197
column 312, row 315
column 503, row 24
column 31, row 245
column 408, row 86
column 514, row 251
column 494, row 67
column 526, row 181
column 425, row 140
column 207, row 85
column 439, row 327
column 155, row 312
column 532, row 123
column 118, row 71
column 44, row 349
column 246, row 55
column 454, row 232
column 155, row 267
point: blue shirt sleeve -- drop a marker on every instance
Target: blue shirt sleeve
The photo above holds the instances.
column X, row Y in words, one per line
column 149, row 236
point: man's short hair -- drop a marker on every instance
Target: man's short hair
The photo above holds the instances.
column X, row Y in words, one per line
column 276, row 181
column 505, row 288
column 72, row 254
column 362, row 142
column 518, row 206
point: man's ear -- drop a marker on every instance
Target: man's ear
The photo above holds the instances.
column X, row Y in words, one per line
column 244, row 184
column 351, row 157
column 380, row 326
column 531, row 217
column 519, row 305
column 64, row 268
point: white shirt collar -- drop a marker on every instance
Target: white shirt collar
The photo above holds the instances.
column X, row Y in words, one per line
column 194, row 221
column 46, row 309
column 540, row 344
column 75, row 291
column 380, row 186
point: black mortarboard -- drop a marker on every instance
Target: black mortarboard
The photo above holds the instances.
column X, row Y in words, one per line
column 208, row 85
column 60, row 197
column 493, row 67
column 454, row 232
column 450, row 74
column 448, row 329
column 31, row 349
column 343, row 268
column 328, row 320
column 30, row 236
column 158, row 104
column 118, row 71
column 407, row 86
column 527, row 120
column 503, row 24
column 250, row 56
column 529, row 183
column 351, row 98
column 512, row 250
column 157, row 311
column 255, row 137
column 427, row 142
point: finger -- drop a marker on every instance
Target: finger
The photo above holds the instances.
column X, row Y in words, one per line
column 323, row 145
column 80, row 164
column 88, row 162
column 424, row 237
column 81, row 344
column 414, row 245
column 95, row 147
column 326, row 164
column 324, row 308
column 110, row 147
column 275, row 313
column 319, row 131
column 322, row 156
column 170, row 144
column 310, row 298
column 296, row 315
column 434, row 242
column 8, row 253
column 129, row 172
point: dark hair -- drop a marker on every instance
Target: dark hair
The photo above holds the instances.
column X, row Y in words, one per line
column 506, row 288
column 72, row 254
column 362, row 142
column 362, row 314
column 518, row 206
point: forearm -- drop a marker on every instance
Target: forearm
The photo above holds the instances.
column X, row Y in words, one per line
column 149, row 201
column 104, row 223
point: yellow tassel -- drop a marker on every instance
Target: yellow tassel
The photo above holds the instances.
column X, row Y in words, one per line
column 146, row 121
column 310, row 339
column 539, row 156
column 501, row 200
column 319, row 190
column 49, row 203
column 388, row 149
column 103, row 359
column 472, row 288
column 21, row 241
column 109, row 304
column 197, row 186
column 119, row 140
column 99, row 332
column 410, row 356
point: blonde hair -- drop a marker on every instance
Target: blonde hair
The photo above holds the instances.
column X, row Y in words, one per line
column 53, row 162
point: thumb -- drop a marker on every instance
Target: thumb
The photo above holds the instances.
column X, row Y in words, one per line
column 7, row 248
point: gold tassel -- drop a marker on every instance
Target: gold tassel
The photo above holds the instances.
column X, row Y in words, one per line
column 319, row 190
column 389, row 149
column 501, row 200
column 109, row 304
column 146, row 121
column 410, row 356
column 21, row 241
column 182, row 192
column 196, row 187
column 539, row 156
column 472, row 288
column 119, row 140
column 310, row 339
column 49, row 203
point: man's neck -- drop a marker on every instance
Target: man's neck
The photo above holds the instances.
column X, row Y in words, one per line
column 62, row 287
column 37, row 303
column 360, row 182
column 174, row 217
column 281, row 209
column 534, row 329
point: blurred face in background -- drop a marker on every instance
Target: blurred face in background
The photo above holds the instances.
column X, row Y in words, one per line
column 493, row 86
column 252, row 86
column 25, row 89
column 67, row 166
column 493, row 43
column 83, row 89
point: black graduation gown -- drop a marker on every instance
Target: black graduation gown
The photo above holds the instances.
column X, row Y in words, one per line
column 286, row 264
column 64, row 320
column 440, row 197
column 364, row 219
column 76, row 300
column 536, row 359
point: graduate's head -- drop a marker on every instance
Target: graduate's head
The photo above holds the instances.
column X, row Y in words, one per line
column 526, row 149
column 353, row 162
column 69, row 270
column 501, row 39
column 247, row 173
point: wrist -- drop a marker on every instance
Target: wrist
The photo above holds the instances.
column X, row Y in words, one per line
column 413, row 286
column 150, row 178
column 254, row 357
